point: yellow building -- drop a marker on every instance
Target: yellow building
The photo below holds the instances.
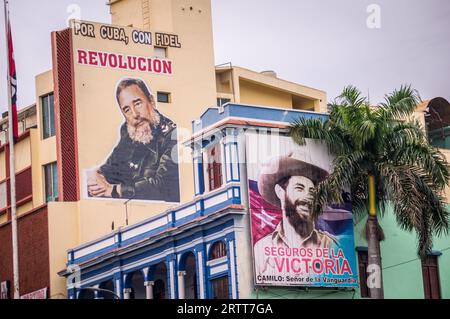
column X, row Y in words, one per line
column 74, row 124
column 78, row 121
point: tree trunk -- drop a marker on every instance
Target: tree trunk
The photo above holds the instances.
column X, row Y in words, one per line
column 375, row 278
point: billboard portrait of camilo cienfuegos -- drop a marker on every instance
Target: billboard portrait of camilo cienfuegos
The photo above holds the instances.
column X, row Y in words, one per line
column 144, row 163
column 290, row 248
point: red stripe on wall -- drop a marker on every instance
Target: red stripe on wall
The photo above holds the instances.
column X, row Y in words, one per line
column 65, row 116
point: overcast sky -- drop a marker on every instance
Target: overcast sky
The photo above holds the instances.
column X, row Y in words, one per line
column 325, row 44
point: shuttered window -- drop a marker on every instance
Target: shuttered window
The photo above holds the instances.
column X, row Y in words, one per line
column 214, row 168
column 430, row 272
column 218, row 250
column 220, row 288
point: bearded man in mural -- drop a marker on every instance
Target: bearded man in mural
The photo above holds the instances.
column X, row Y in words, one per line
column 141, row 166
column 286, row 183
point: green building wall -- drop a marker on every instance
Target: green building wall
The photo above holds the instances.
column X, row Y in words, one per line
column 402, row 270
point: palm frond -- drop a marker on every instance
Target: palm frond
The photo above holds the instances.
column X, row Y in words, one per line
column 426, row 157
column 317, row 129
column 399, row 104
column 345, row 168
column 350, row 96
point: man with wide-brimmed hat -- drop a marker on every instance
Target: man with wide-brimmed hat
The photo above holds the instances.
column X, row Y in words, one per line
column 286, row 182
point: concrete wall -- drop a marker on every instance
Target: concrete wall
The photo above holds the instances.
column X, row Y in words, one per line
column 253, row 93
column 63, row 224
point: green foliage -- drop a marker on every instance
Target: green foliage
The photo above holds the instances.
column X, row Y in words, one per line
column 385, row 142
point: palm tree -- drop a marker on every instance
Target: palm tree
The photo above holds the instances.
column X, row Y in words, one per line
column 382, row 156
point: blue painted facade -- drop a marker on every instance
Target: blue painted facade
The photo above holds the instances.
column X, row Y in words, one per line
column 192, row 228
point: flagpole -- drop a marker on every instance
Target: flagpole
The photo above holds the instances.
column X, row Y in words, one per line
column 12, row 169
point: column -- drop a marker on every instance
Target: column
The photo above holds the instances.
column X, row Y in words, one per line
column 149, row 289
column 198, row 170
column 127, row 293
column 181, row 288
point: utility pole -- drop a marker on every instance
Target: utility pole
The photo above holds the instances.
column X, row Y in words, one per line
column 12, row 169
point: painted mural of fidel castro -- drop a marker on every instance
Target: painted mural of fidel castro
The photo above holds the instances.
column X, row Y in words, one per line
column 141, row 166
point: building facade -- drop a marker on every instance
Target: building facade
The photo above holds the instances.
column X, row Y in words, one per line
column 193, row 240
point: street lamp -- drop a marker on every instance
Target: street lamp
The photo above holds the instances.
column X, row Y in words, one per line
column 100, row 290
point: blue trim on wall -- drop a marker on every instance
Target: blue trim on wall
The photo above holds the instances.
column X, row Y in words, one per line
column 253, row 112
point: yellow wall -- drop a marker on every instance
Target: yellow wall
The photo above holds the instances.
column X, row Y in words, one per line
column 252, row 93
column 25, row 208
column 63, row 233
column 22, row 155
column 192, row 88
column 127, row 12
column 241, row 85
column 2, row 166
column 43, row 151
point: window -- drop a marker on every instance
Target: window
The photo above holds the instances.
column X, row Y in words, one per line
column 163, row 97
column 221, row 101
column 48, row 116
column 363, row 259
column 214, row 168
column 160, row 52
column 430, row 273
column 3, row 196
column 218, row 250
column 220, row 288
column 51, row 182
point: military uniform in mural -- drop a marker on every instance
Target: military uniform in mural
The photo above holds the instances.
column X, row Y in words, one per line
column 146, row 171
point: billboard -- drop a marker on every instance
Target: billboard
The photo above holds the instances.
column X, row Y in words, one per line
column 289, row 247
column 127, row 140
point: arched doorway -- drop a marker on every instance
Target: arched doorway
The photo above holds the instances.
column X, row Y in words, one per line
column 136, row 283
column 190, row 279
column 160, row 281
column 219, row 286
column 106, row 285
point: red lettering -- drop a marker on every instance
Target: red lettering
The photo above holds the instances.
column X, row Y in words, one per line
column 319, row 252
column 167, row 67
column 346, row 268
column 329, row 267
column 317, row 266
column 82, row 57
column 132, row 63
column 141, row 64
column 307, row 267
column 122, row 63
column 93, row 58
column 273, row 251
column 157, row 66
column 103, row 57
column 149, row 63
column 294, row 269
column 112, row 58
column 280, row 265
column 267, row 251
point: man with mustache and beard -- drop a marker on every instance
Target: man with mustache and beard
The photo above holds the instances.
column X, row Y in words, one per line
column 286, row 182
column 141, row 165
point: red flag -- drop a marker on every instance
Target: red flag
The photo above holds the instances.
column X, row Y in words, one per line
column 264, row 216
column 13, row 83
